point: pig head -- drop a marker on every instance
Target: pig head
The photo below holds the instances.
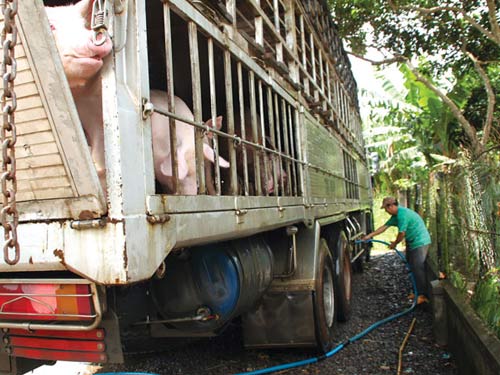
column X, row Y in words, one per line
column 267, row 177
column 82, row 60
column 185, row 147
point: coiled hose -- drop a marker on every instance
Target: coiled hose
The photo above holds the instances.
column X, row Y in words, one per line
column 354, row 338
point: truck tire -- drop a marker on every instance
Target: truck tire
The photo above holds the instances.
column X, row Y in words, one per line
column 324, row 299
column 343, row 277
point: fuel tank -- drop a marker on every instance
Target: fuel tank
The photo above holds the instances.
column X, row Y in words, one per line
column 205, row 287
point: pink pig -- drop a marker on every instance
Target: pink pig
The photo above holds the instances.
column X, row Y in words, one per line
column 82, row 60
column 185, row 147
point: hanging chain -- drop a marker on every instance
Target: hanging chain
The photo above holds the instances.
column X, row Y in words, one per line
column 9, row 216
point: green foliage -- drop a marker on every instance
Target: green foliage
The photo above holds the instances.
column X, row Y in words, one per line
column 409, row 33
column 486, row 300
column 441, row 42
column 420, row 134
column 458, row 281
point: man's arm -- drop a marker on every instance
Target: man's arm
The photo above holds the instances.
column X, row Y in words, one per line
column 379, row 230
column 399, row 238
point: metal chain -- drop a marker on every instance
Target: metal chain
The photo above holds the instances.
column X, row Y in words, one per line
column 9, row 216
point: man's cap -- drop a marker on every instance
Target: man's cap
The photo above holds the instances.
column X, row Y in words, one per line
column 388, row 201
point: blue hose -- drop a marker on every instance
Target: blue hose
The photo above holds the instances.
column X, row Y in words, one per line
column 354, row 338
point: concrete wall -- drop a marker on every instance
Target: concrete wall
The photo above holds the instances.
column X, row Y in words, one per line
column 474, row 348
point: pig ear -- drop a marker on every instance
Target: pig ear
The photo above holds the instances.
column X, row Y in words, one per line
column 210, row 123
column 218, row 123
column 85, row 9
column 182, row 169
column 166, row 168
column 223, row 163
column 209, row 154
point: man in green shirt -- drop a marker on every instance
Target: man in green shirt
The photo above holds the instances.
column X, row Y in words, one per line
column 411, row 228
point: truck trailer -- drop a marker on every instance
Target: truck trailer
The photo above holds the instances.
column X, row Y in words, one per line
column 97, row 257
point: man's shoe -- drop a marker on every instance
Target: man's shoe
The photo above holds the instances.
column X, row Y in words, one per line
column 422, row 299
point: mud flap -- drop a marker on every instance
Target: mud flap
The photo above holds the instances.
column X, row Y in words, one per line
column 282, row 319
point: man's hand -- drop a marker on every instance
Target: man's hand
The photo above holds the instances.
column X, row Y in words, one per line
column 365, row 238
column 393, row 245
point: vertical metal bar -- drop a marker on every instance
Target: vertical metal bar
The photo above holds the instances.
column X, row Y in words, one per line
column 339, row 102
column 328, row 86
column 300, row 166
column 213, row 112
column 286, row 146
column 321, row 82
column 265, row 155
column 241, row 101
column 275, row 160
column 291, row 38
column 278, row 137
column 231, row 9
column 304, row 53
column 344, row 108
column 313, row 64
column 197, row 110
column 330, row 93
column 302, row 41
column 276, row 15
column 277, row 26
column 228, row 83
column 259, row 28
column 292, row 179
column 255, row 133
column 170, row 96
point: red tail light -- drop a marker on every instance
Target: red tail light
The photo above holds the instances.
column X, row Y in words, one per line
column 46, row 302
column 81, row 346
column 53, row 319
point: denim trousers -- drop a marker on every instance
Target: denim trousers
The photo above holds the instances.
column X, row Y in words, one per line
column 416, row 260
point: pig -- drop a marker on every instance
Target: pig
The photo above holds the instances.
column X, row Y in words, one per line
column 82, row 61
column 267, row 181
column 185, row 135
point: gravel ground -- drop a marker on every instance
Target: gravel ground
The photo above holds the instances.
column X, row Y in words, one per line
column 381, row 290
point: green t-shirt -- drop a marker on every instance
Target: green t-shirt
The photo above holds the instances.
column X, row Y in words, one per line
column 408, row 221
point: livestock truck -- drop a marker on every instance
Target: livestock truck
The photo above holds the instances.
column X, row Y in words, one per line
column 97, row 255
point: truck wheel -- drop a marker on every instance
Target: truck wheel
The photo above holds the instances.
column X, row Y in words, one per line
column 343, row 278
column 324, row 299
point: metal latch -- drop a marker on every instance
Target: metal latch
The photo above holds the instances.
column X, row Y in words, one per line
column 88, row 224
column 98, row 22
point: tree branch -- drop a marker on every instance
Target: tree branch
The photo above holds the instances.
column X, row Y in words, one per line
column 493, row 34
column 392, row 60
column 470, row 131
column 495, row 27
column 490, row 95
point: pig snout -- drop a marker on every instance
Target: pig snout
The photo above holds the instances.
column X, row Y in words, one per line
column 80, row 56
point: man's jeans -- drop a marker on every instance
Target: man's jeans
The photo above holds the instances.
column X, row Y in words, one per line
column 416, row 259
